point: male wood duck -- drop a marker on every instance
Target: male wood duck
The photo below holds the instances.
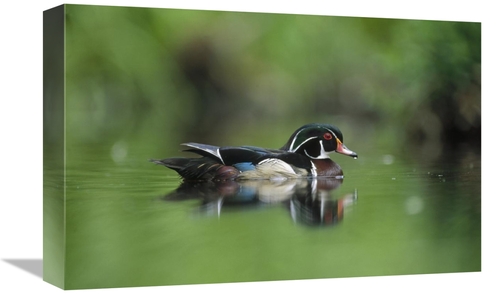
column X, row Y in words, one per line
column 304, row 155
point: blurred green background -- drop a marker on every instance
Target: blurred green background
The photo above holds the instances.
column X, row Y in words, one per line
column 139, row 81
column 161, row 76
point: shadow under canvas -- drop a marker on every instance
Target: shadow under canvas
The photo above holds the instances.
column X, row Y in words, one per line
column 32, row 266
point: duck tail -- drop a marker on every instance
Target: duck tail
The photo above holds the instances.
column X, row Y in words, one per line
column 198, row 168
column 172, row 163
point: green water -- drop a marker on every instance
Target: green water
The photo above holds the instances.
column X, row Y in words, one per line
column 124, row 226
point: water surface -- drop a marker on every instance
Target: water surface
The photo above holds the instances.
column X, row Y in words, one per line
column 132, row 223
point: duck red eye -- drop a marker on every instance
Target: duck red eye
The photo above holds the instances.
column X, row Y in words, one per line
column 327, row 136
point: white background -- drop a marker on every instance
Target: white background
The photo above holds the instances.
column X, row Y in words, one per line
column 21, row 143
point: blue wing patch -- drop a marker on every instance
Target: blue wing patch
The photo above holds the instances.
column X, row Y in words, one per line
column 244, row 166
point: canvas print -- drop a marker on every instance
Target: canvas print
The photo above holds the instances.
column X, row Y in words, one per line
column 194, row 147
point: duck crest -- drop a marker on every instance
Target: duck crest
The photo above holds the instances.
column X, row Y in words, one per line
column 305, row 154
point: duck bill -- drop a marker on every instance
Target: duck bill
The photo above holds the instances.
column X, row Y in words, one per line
column 342, row 149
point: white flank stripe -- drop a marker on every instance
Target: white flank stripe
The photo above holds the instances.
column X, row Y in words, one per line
column 220, row 157
column 313, row 170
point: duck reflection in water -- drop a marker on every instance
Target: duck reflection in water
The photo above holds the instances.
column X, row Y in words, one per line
column 308, row 200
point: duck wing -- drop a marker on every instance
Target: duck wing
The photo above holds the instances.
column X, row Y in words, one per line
column 231, row 155
column 246, row 157
column 238, row 156
column 204, row 150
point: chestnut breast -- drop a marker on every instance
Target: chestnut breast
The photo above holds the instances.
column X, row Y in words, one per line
column 327, row 168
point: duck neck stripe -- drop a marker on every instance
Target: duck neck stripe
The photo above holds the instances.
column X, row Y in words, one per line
column 291, row 149
column 323, row 153
column 295, row 149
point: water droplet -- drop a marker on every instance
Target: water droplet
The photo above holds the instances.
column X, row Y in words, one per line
column 388, row 159
column 414, row 205
column 119, row 151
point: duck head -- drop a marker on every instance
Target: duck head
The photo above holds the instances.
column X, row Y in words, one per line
column 317, row 141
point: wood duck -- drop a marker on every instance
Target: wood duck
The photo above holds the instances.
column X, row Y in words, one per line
column 304, row 155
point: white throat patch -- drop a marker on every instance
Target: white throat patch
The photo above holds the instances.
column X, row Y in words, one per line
column 322, row 153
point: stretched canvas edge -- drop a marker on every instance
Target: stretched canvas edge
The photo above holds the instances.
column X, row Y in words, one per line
column 54, row 146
